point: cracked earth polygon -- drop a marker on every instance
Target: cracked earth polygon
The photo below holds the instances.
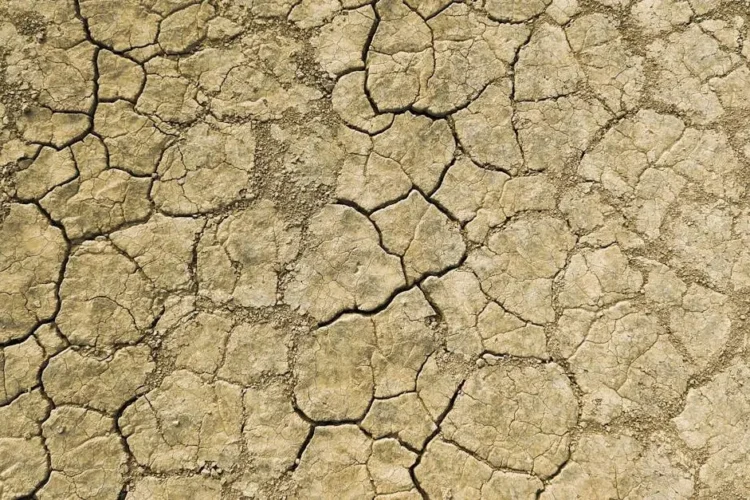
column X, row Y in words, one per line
column 374, row 249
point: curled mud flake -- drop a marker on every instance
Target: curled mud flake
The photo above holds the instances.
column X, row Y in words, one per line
column 556, row 132
column 546, row 66
column 79, row 378
column 274, row 433
column 485, row 130
column 350, row 101
column 184, row 422
column 517, row 265
column 16, row 150
column 404, row 417
column 188, row 488
column 106, row 298
column 334, row 465
column 207, row 170
column 426, row 239
column 162, row 248
column 31, row 256
column 715, row 419
column 177, row 311
column 87, row 455
column 130, row 25
column 337, row 273
column 515, row 417
column 617, row 465
column 340, row 44
column 334, row 372
column 119, row 77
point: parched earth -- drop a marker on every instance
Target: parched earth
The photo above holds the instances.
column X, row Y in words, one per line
column 374, row 249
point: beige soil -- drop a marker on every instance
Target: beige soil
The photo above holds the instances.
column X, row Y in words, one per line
column 374, row 249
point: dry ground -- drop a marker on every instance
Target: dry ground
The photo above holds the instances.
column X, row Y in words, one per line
column 392, row 249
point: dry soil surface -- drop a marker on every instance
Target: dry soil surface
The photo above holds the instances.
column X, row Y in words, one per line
column 374, row 249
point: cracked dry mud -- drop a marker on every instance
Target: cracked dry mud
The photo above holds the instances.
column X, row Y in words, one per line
column 374, row 249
